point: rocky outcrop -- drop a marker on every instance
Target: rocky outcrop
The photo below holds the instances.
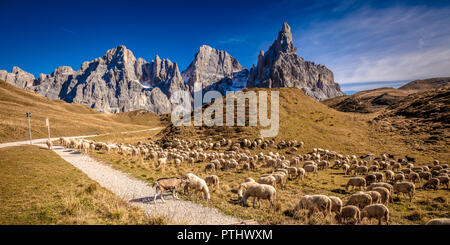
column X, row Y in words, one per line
column 215, row 70
column 280, row 66
column 116, row 82
column 18, row 77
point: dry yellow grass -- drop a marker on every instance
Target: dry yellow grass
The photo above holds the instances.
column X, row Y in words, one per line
column 65, row 119
column 301, row 118
column 39, row 187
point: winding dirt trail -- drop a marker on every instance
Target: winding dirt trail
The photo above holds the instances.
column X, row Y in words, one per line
column 137, row 192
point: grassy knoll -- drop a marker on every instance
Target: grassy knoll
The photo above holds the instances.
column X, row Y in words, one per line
column 39, row 188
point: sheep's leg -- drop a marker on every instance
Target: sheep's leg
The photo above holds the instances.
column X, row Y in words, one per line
column 154, row 197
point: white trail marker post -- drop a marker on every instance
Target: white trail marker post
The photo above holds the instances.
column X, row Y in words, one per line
column 29, row 126
column 47, row 123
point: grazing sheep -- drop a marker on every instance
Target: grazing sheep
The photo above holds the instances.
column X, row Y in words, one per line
column 301, row 173
column 259, row 191
column 376, row 196
column 212, row 180
column 413, row 177
column 389, row 175
column 376, row 211
column 336, row 204
column 444, row 180
column 349, row 212
column 439, row 221
column 379, row 176
column 162, row 162
column 49, row 144
column 210, row 167
column 313, row 203
column 360, row 200
column 433, row 182
column 268, row 180
column 399, row 177
column 361, row 170
column 167, row 184
column 425, row 175
column 249, row 180
column 405, row 188
column 356, row 182
column 310, row 169
column 196, row 183
column 371, row 178
column 385, row 194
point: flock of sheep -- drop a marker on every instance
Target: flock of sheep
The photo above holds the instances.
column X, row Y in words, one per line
column 377, row 178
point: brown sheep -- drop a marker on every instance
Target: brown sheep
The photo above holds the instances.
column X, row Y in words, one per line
column 212, row 180
column 385, row 194
column 377, row 211
column 356, row 182
column 347, row 212
column 405, row 188
column 313, row 203
column 360, row 200
column 433, row 182
column 439, row 221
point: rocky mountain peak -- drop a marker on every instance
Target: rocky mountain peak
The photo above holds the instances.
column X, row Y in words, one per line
column 280, row 66
column 284, row 42
column 119, row 54
column 212, row 68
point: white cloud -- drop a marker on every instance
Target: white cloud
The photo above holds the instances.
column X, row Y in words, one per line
column 397, row 43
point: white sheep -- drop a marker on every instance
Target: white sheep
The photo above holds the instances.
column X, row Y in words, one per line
column 439, row 221
column 313, row 203
column 196, row 183
column 259, row 191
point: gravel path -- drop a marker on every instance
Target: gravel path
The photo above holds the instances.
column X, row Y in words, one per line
column 138, row 193
column 38, row 141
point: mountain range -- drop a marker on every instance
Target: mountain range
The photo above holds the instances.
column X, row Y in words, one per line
column 120, row 82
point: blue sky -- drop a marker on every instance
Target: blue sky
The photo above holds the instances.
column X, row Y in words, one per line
column 365, row 43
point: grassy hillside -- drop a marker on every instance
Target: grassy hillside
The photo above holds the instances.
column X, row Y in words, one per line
column 39, row 187
column 305, row 119
column 301, row 118
column 374, row 100
column 65, row 119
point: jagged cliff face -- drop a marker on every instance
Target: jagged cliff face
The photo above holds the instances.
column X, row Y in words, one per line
column 119, row 82
column 113, row 83
column 18, row 77
column 280, row 66
column 215, row 70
